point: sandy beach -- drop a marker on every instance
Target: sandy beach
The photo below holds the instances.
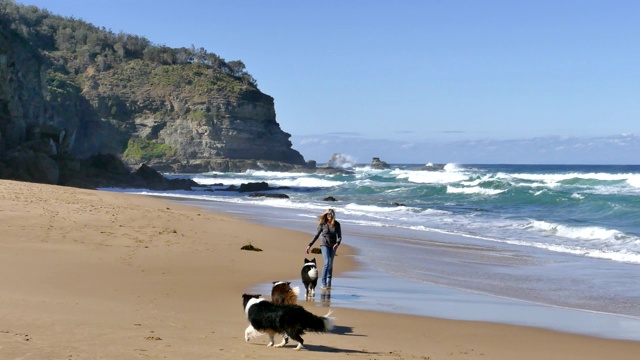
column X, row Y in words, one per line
column 100, row 275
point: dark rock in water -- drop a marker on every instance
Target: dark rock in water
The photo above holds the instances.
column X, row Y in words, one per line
column 257, row 186
column 329, row 198
column 376, row 163
column 149, row 175
column 398, row 204
column 277, row 196
column 155, row 181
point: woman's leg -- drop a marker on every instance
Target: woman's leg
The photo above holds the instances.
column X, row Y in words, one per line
column 327, row 269
column 330, row 267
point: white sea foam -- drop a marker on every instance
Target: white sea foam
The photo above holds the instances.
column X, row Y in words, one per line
column 541, row 192
column 278, row 179
column 273, row 174
column 432, row 177
column 576, row 232
column 304, row 182
column 473, row 190
column 616, row 255
column 372, row 209
column 453, row 167
column 634, row 180
column 555, row 178
column 208, row 181
column 476, row 182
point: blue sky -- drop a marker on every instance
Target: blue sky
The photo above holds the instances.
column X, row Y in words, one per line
column 547, row 82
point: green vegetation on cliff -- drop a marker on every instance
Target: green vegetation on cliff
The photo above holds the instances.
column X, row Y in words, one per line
column 115, row 70
column 140, row 150
column 75, row 46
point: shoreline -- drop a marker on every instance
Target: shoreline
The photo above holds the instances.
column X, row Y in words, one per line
column 101, row 275
column 387, row 293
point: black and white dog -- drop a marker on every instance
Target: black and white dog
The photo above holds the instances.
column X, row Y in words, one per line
column 292, row 320
column 309, row 275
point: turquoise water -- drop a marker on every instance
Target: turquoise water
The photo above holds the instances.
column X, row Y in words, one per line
column 589, row 211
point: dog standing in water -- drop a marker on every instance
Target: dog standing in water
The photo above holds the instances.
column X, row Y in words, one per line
column 309, row 274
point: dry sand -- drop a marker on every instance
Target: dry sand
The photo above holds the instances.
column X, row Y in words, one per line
column 98, row 275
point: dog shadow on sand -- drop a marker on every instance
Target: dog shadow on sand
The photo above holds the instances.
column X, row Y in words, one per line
column 329, row 349
column 338, row 330
column 343, row 330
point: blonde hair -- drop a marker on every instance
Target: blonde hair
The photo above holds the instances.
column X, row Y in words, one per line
column 322, row 219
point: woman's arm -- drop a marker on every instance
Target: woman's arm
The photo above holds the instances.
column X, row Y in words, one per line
column 317, row 236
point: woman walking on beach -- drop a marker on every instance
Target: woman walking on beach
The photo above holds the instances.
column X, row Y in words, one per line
column 331, row 238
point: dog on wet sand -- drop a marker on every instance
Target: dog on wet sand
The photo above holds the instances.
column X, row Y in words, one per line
column 283, row 293
column 309, row 274
column 292, row 320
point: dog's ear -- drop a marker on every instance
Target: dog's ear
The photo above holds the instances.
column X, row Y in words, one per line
column 306, row 260
column 273, row 282
column 288, row 282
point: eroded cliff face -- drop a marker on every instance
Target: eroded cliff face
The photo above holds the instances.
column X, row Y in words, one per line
column 201, row 120
column 205, row 127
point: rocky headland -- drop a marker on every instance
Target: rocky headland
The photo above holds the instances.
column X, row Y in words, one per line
column 83, row 106
column 72, row 93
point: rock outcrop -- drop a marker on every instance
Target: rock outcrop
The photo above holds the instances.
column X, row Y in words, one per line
column 376, row 163
column 60, row 105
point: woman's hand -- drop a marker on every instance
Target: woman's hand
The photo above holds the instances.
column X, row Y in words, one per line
column 308, row 249
column 335, row 247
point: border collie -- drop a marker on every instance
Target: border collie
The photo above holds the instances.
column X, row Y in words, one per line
column 309, row 275
column 283, row 293
column 292, row 320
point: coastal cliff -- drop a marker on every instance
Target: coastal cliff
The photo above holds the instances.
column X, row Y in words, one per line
column 70, row 91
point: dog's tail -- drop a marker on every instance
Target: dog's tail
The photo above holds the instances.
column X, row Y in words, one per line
column 296, row 290
column 319, row 324
column 329, row 321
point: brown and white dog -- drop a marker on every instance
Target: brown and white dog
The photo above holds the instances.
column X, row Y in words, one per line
column 283, row 293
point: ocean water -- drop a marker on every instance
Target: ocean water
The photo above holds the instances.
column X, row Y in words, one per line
column 555, row 246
